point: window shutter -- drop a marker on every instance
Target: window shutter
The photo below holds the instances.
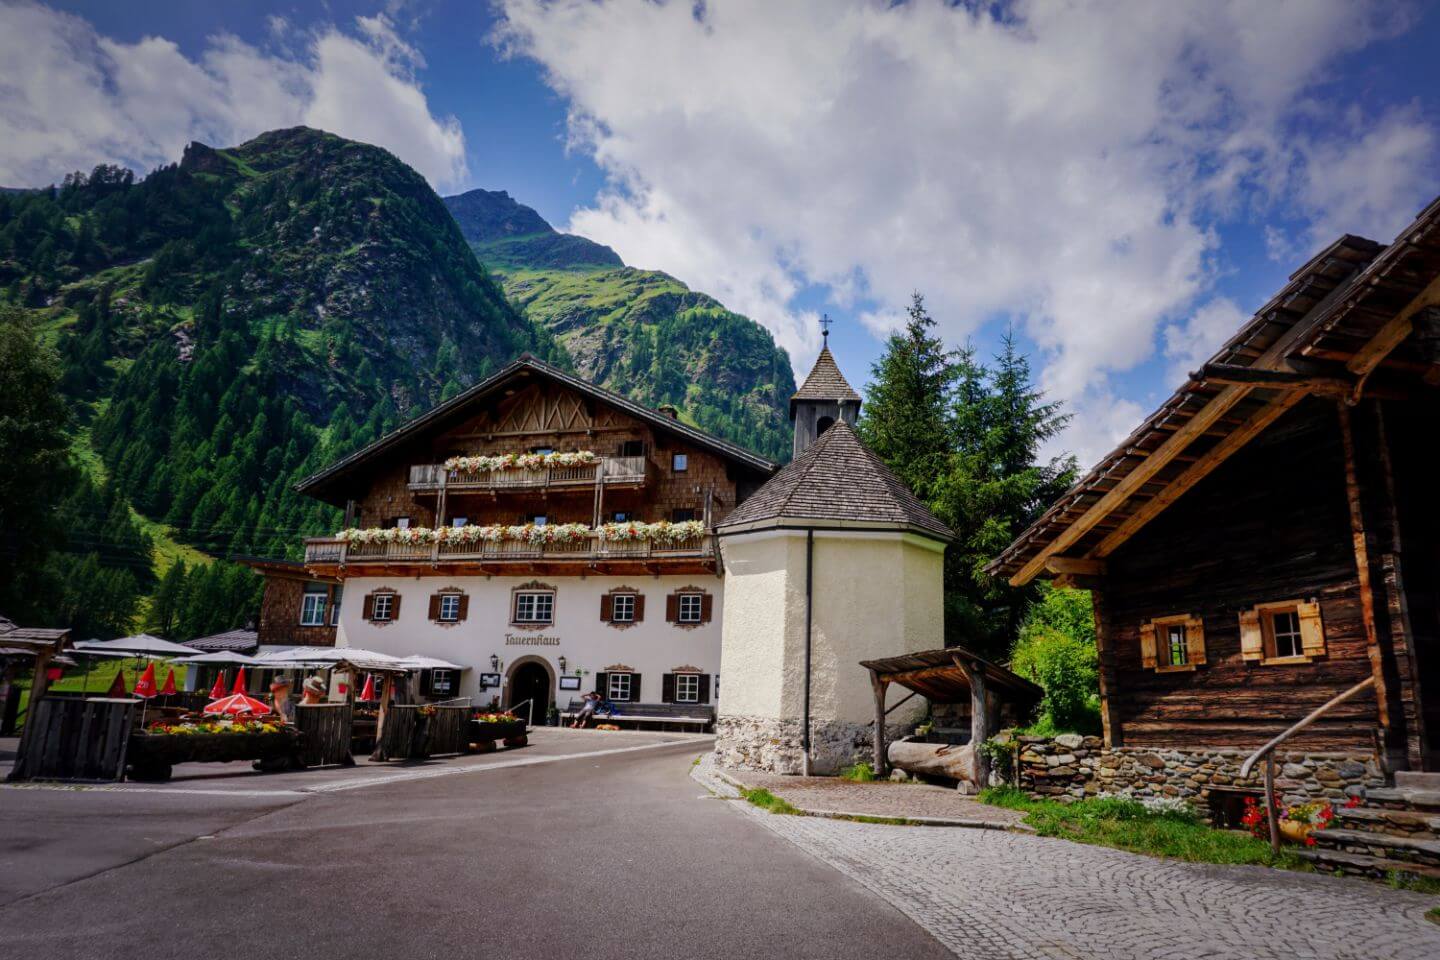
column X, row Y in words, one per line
column 395, row 607
column 434, row 606
column 634, row 688
column 1312, row 630
column 602, row 684
column 607, row 607
column 667, row 688
column 672, row 608
column 368, row 613
column 1195, row 640
column 1147, row 645
column 707, row 606
column 639, row 607
column 1252, row 640
column 704, row 688
column 464, row 606
column 427, row 678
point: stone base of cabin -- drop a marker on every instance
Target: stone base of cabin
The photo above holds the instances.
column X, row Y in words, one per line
column 1072, row 766
column 773, row 746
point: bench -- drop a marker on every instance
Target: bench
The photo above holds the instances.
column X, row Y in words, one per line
column 701, row 715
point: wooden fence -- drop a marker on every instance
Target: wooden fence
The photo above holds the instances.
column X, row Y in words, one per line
column 72, row 739
column 447, row 730
column 326, row 727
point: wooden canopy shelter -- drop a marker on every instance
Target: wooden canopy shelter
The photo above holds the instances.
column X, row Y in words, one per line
column 950, row 675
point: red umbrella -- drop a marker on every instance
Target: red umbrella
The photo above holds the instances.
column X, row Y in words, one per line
column 239, row 681
column 145, row 686
column 117, row 688
column 237, row 704
column 218, row 691
column 369, row 692
column 169, row 689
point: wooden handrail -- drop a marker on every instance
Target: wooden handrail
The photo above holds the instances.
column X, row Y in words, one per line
column 1268, row 753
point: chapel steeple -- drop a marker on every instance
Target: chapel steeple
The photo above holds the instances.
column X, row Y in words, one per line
column 824, row 398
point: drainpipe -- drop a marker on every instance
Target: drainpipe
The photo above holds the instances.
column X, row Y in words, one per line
column 809, row 593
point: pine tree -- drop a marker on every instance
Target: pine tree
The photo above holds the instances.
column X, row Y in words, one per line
column 164, row 615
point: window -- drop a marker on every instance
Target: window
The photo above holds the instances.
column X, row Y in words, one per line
column 1287, row 632
column 687, row 688
column 691, row 607
column 402, row 523
column 620, row 686
column 459, row 521
column 680, row 462
column 384, row 606
column 534, row 607
column 823, row 424
column 312, row 606
column 682, row 514
column 539, row 519
column 442, row 683
column 632, row 448
column 620, row 516
column 449, row 607
column 542, row 450
column 1172, row 643
column 622, row 608
column 335, row 605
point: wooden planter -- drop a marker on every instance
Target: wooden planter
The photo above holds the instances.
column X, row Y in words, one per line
column 152, row 755
column 487, row 734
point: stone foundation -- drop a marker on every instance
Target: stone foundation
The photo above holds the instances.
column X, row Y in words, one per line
column 1072, row 766
column 773, row 746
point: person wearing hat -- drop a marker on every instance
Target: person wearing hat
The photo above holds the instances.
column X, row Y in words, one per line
column 314, row 690
column 280, row 701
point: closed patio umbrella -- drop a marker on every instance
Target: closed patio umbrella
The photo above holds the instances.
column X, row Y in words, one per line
column 218, row 691
column 169, row 690
column 239, row 681
column 368, row 693
column 145, row 686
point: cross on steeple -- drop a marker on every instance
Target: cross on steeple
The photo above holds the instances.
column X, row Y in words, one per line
column 825, row 322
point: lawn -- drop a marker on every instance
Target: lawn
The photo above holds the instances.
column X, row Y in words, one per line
column 101, row 676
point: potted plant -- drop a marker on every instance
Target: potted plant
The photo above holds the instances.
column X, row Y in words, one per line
column 1296, row 822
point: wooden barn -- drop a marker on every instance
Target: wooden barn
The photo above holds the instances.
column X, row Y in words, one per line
column 1270, row 537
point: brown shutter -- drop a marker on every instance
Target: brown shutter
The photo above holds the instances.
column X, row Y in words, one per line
column 639, row 607
column 1147, row 645
column 368, row 612
column 672, row 608
column 464, row 606
column 1252, row 639
column 634, row 688
column 704, row 688
column 395, row 608
column 434, row 606
column 602, row 684
column 427, row 678
column 707, row 606
column 667, row 688
column 1312, row 630
column 607, row 607
column 1195, row 640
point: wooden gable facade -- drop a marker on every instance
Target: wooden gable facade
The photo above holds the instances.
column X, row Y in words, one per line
column 1270, row 537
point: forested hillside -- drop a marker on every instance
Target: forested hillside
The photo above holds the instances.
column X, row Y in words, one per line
column 640, row 332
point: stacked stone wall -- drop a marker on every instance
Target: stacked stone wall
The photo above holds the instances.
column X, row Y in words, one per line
column 1070, row 766
column 773, row 746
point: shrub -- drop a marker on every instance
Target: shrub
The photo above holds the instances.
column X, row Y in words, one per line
column 1056, row 649
column 858, row 772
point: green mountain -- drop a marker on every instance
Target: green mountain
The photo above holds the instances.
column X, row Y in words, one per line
column 640, row 332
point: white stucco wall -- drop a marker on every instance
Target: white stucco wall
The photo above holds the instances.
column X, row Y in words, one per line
column 763, row 600
column 651, row 648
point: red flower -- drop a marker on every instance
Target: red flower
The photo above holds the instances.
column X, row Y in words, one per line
column 1352, row 803
column 1309, row 841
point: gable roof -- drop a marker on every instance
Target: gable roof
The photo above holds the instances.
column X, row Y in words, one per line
column 458, row 407
column 825, row 382
column 840, row 480
column 1343, row 317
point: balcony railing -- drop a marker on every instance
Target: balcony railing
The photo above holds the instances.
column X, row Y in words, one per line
column 330, row 550
column 428, row 477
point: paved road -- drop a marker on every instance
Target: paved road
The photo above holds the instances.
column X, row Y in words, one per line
column 607, row 856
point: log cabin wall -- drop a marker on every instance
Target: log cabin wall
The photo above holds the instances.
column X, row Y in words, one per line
column 280, row 614
column 1272, row 524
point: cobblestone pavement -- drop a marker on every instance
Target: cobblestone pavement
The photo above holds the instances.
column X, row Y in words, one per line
column 879, row 798
column 989, row 894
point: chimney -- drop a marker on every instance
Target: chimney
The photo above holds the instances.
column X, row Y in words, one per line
column 669, row 411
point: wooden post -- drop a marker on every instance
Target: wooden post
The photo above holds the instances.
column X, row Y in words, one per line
column 878, row 687
column 1111, row 727
column 385, row 695
column 1271, row 815
column 979, row 719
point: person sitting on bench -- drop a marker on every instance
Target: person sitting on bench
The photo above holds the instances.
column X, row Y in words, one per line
column 587, row 710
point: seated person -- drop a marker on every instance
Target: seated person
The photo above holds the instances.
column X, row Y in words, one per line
column 280, row 703
column 591, row 702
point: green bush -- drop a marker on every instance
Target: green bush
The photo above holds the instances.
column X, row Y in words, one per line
column 858, row 772
column 1056, row 649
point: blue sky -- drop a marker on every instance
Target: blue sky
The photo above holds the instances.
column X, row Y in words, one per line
column 1121, row 184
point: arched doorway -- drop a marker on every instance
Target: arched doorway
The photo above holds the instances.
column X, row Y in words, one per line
column 530, row 679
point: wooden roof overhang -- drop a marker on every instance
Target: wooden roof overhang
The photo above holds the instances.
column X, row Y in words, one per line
column 33, row 641
column 1359, row 320
column 941, row 676
column 330, row 486
column 282, row 569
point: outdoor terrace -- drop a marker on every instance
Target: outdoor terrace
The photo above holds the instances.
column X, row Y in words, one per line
column 433, row 477
column 331, row 550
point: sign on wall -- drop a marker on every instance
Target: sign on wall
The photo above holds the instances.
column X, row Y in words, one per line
column 488, row 680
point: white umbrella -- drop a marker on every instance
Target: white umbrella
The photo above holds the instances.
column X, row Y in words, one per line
column 225, row 658
column 430, row 663
column 329, row 657
column 140, row 645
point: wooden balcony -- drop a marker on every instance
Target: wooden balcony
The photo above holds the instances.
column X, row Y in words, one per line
column 610, row 471
column 325, row 551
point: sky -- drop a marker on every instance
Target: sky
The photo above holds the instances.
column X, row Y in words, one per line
column 1118, row 185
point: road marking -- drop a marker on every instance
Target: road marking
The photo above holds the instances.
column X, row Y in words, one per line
column 127, row 788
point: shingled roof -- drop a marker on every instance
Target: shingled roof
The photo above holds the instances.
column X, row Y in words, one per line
column 840, row 481
column 825, row 382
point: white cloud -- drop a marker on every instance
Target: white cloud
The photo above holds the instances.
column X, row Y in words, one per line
column 1064, row 166
column 1189, row 343
column 71, row 98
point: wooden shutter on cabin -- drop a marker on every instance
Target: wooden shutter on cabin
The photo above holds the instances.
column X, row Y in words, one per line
column 368, row 613
column 667, row 688
column 602, row 684
column 707, row 606
column 607, row 607
column 1252, row 639
column 672, row 608
column 434, row 606
column 464, row 607
column 1147, row 645
column 1195, row 640
column 1312, row 630
column 639, row 607
column 704, row 688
